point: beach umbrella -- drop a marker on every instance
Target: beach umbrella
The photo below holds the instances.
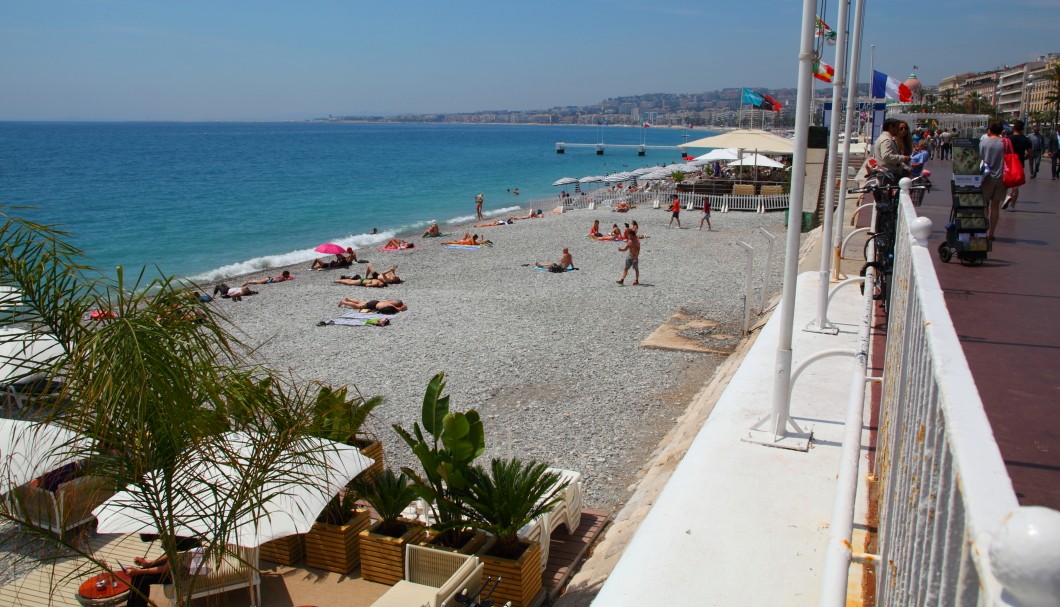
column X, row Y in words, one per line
column 756, row 160
column 330, row 249
column 745, row 139
column 565, row 181
column 642, row 171
column 591, row 179
column 719, row 154
column 210, row 482
column 31, row 449
column 24, row 354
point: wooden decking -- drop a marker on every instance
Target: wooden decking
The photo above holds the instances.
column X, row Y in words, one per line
column 567, row 550
column 55, row 584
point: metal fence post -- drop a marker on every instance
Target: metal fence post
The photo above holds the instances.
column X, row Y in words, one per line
column 772, row 240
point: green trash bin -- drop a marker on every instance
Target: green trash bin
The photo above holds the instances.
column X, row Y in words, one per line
column 807, row 220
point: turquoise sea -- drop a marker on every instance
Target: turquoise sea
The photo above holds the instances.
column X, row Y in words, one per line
column 219, row 199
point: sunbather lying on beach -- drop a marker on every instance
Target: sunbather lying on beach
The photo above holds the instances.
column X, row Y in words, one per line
column 268, row 281
column 533, row 214
column 340, row 261
column 357, row 281
column 388, row 276
column 432, row 231
column 235, row 294
column 386, row 306
column 565, row 261
column 398, row 244
column 499, row 222
column 470, row 239
column 621, row 207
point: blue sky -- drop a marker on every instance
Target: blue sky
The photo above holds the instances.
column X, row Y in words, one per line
column 269, row 60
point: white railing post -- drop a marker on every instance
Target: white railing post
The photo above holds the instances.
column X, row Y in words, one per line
column 772, row 240
column 747, row 283
column 782, row 431
column 821, row 323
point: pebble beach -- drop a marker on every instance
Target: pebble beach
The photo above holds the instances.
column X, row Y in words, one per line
column 551, row 361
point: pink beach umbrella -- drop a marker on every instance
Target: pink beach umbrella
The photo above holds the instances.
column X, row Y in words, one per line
column 330, row 249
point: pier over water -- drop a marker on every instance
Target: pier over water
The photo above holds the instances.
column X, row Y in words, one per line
column 642, row 149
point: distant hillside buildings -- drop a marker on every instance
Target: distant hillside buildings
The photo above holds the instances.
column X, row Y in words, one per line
column 1018, row 91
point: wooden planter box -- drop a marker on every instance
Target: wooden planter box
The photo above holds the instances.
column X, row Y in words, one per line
column 383, row 557
column 334, row 547
column 288, row 550
column 477, row 541
column 372, row 449
column 521, row 579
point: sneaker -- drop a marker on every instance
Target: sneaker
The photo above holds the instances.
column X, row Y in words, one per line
column 1004, row 205
column 619, row 282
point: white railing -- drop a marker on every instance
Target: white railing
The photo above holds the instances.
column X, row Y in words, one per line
column 949, row 523
column 722, row 203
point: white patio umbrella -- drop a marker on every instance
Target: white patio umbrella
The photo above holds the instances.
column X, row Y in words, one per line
column 745, row 139
column 24, row 354
column 719, row 154
column 302, row 485
column 756, row 160
column 30, row 449
column 591, row 179
column 565, row 181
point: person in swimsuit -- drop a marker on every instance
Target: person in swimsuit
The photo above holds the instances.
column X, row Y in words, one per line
column 632, row 257
column 389, row 276
column 357, row 281
column 285, row 276
column 386, row 306
column 565, row 261
column 432, row 231
column 499, row 222
column 594, row 232
column 340, row 261
column 395, row 243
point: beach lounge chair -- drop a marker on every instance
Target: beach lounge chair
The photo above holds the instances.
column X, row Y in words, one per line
column 62, row 507
column 772, row 190
column 433, row 578
column 238, row 569
column 743, row 189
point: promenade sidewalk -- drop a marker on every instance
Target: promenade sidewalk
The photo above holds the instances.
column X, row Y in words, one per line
column 1007, row 315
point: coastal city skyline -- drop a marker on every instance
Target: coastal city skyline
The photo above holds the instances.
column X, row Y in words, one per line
column 120, row 60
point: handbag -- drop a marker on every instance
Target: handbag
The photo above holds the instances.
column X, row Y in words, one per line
column 1013, row 176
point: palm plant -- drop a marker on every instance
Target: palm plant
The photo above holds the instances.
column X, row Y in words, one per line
column 452, row 442
column 507, row 497
column 389, row 494
column 1052, row 97
column 152, row 388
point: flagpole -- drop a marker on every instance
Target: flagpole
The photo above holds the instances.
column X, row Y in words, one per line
column 852, row 79
column 822, row 324
column 872, row 96
column 779, row 420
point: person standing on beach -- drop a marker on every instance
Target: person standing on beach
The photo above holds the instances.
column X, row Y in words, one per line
column 478, row 205
column 632, row 249
column 675, row 212
column 706, row 215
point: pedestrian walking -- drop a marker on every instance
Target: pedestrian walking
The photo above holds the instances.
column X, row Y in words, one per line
column 675, row 212
column 632, row 250
column 1034, row 156
column 706, row 215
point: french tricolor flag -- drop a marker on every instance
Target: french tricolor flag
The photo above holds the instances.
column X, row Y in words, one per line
column 883, row 86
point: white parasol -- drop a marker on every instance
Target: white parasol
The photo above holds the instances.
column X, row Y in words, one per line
column 211, row 487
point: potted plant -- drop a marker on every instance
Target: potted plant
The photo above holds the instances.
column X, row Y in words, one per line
column 332, row 543
column 383, row 544
column 502, row 500
column 446, row 445
column 340, row 418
